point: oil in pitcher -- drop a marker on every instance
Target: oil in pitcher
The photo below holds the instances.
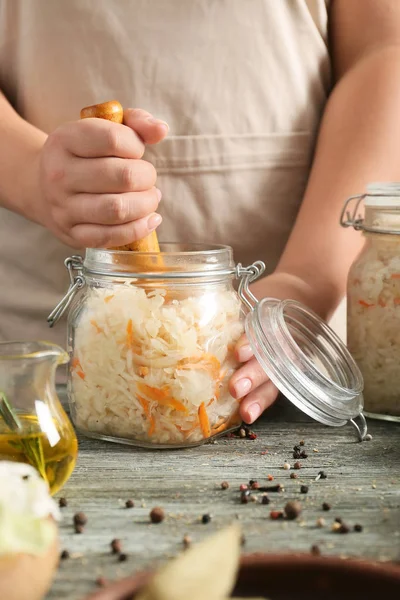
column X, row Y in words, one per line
column 34, row 427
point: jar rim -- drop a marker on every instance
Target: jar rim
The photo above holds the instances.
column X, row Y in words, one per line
column 175, row 260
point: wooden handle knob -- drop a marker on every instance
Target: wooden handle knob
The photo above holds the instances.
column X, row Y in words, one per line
column 113, row 111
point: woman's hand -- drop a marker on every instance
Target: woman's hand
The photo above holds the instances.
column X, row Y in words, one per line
column 250, row 384
column 96, row 191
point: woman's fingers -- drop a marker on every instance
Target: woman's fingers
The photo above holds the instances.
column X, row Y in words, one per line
column 243, row 350
column 109, row 175
column 94, row 138
column 246, row 379
column 106, row 236
column 150, row 130
column 253, row 405
column 112, row 209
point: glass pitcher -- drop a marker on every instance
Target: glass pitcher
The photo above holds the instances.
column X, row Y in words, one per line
column 33, row 425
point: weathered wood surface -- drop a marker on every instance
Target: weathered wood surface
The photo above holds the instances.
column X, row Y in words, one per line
column 363, row 486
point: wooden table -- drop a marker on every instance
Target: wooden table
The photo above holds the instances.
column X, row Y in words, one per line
column 362, row 485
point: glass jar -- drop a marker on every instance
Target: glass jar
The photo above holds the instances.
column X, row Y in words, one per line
column 373, row 299
column 151, row 339
column 34, row 428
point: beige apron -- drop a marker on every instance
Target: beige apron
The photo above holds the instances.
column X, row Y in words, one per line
column 241, row 83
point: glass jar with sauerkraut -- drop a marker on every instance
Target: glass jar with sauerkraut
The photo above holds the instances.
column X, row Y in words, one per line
column 373, row 298
column 152, row 335
column 152, row 342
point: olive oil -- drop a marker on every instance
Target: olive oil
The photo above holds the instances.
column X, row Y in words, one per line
column 52, row 449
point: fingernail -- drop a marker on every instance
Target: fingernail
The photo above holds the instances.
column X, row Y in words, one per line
column 254, row 411
column 153, row 221
column 242, row 387
column 245, row 353
column 159, row 194
column 154, row 121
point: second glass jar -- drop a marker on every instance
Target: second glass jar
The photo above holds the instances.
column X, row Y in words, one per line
column 373, row 300
column 151, row 341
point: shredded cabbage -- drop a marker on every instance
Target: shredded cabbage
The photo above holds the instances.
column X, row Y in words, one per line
column 153, row 369
column 373, row 331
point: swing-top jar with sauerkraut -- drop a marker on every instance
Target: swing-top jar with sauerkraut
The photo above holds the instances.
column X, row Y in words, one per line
column 152, row 341
column 373, row 298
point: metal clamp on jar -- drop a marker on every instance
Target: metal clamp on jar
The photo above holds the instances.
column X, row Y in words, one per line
column 152, row 351
column 373, row 297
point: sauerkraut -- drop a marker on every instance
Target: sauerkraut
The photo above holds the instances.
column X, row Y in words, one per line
column 373, row 334
column 152, row 367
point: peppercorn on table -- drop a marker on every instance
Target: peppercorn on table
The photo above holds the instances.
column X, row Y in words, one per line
column 141, row 507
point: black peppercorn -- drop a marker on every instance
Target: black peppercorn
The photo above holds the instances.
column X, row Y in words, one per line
column 116, row 546
column 64, row 555
column 293, row 475
column 122, row 557
column 205, row 519
column 326, row 506
column 80, row 518
column 293, row 510
column 129, row 504
column 265, row 499
column 297, row 465
column 157, row 515
column 304, row 489
column 62, row 503
column 301, row 443
column 358, row 528
column 315, row 550
column 224, row 485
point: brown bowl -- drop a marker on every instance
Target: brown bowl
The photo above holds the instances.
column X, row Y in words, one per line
column 293, row 577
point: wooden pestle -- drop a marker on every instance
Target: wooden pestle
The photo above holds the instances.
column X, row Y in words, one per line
column 113, row 111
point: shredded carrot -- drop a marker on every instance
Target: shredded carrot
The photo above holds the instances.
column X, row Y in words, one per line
column 145, row 405
column 211, row 401
column 206, row 361
column 161, row 396
column 129, row 333
column 108, row 298
column 152, row 426
column 143, row 371
column 146, row 410
column 204, row 421
column 98, row 329
column 397, row 301
column 76, row 364
column 365, row 304
column 220, row 428
column 81, row 374
column 395, row 276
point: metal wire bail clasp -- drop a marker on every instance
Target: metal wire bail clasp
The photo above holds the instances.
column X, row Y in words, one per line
column 247, row 275
column 77, row 282
column 352, row 218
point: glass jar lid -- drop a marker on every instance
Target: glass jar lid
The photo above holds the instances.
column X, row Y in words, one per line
column 307, row 362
